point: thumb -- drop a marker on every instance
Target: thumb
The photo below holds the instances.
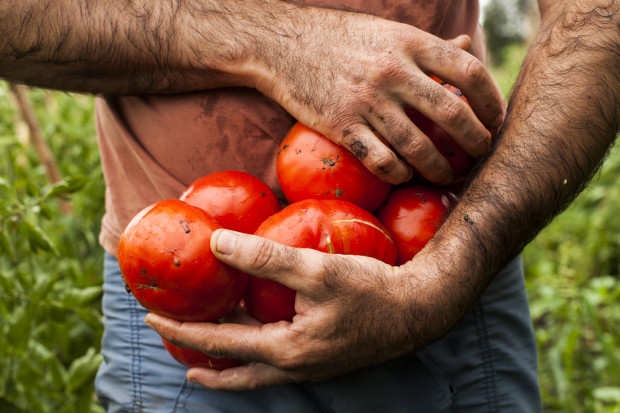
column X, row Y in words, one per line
column 264, row 258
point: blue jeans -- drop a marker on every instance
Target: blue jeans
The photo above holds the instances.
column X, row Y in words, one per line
column 487, row 363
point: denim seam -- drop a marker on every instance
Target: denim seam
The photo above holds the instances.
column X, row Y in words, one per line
column 488, row 366
column 186, row 385
column 136, row 403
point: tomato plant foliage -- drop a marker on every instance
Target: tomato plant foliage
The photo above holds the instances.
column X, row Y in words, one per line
column 50, row 262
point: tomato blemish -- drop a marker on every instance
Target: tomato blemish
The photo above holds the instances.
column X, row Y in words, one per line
column 152, row 286
column 185, row 225
column 328, row 161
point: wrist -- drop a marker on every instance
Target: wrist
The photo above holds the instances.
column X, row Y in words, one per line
column 250, row 46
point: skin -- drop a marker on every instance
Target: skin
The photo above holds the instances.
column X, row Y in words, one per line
column 370, row 67
column 563, row 116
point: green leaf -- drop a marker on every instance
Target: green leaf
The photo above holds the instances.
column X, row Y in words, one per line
column 43, row 286
column 38, row 238
column 83, row 369
column 6, row 247
column 77, row 297
column 46, row 211
column 69, row 185
column 20, row 327
column 5, row 188
column 32, row 189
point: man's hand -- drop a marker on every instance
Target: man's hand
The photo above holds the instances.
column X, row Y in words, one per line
column 352, row 312
column 349, row 75
column 344, row 74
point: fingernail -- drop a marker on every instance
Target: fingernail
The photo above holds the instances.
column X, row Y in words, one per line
column 192, row 379
column 149, row 322
column 226, row 241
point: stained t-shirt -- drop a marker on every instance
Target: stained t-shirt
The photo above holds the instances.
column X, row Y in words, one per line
column 153, row 147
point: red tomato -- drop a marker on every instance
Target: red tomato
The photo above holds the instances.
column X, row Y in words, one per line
column 237, row 200
column 412, row 215
column 193, row 358
column 311, row 166
column 330, row 226
column 459, row 159
column 167, row 264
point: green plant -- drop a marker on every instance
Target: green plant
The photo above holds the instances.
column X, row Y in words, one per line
column 573, row 281
column 50, row 264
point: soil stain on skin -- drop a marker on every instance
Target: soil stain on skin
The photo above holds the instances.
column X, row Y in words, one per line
column 359, row 149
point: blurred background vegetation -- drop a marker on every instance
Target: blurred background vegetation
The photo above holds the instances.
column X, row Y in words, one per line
column 50, row 262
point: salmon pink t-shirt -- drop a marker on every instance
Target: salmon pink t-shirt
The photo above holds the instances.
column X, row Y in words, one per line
column 153, row 147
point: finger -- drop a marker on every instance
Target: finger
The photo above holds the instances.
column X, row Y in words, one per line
column 362, row 142
column 240, row 316
column 450, row 112
column 240, row 378
column 411, row 143
column 466, row 72
column 264, row 258
column 249, row 343
column 462, row 41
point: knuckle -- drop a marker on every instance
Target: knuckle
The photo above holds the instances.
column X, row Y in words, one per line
column 383, row 162
column 475, row 70
column 298, row 354
column 387, row 66
column 291, row 360
column 453, row 111
column 418, row 147
column 398, row 134
column 264, row 253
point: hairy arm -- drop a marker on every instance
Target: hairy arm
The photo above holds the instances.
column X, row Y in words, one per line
column 563, row 117
column 127, row 47
column 342, row 73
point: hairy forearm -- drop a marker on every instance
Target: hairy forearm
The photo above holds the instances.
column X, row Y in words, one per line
column 133, row 46
column 563, row 116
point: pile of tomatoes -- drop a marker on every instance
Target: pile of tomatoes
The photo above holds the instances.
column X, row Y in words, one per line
column 336, row 206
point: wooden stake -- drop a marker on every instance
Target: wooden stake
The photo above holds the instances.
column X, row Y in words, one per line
column 27, row 113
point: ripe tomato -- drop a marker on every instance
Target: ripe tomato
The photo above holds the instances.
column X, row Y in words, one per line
column 412, row 215
column 311, row 166
column 167, row 264
column 193, row 358
column 331, row 226
column 237, row 200
column 457, row 157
